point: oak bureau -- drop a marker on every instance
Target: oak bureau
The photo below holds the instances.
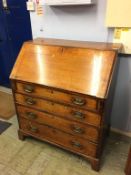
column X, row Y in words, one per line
column 62, row 93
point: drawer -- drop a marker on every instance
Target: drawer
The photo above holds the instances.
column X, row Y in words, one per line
column 76, row 128
column 48, row 93
column 59, row 109
column 64, row 140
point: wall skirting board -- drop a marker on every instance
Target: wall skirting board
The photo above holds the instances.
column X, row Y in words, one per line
column 4, row 89
column 128, row 134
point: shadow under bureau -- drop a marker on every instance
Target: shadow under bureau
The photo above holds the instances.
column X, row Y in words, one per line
column 62, row 92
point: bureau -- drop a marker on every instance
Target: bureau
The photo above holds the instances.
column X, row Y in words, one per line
column 63, row 93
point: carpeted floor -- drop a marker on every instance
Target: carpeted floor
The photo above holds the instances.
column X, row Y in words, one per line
column 33, row 157
column 7, row 109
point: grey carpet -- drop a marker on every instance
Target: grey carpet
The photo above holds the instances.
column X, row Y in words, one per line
column 4, row 125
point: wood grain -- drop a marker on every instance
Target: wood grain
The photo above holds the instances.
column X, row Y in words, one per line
column 128, row 164
column 79, row 129
column 50, row 134
column 62, row 92
column 56, row 96
column 68, row 113
column 85, row 71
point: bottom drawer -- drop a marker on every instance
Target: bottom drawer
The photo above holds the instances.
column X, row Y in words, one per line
column 60, row 138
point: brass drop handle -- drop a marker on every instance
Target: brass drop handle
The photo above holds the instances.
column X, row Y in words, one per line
column 78, row 101
column 31, row 115
column 78, row 115
column 28, row 88
column 30, row 101
column 78, row 129
column 33, row 129
column 76, row 144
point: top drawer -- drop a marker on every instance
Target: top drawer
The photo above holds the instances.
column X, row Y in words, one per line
column 58, row 96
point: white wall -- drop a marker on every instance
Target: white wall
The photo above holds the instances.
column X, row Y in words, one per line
column 88, row 23
column 75, row 22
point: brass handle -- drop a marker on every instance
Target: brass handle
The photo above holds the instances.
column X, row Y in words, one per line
column 78, row 130
column 78, row 101
column 78, row 115
column 28, row 88
column 33, row 129
column 76, row 144
column 30, row 101
column 31, row 115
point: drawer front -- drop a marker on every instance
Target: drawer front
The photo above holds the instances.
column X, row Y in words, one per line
column 51, row 94
column 55, row 136
column 78, row 129
column 60, row 110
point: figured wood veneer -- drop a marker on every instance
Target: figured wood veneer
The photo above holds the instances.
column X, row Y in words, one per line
column 63, row 93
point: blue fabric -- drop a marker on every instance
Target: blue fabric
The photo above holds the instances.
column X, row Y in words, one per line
column 15, row 28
